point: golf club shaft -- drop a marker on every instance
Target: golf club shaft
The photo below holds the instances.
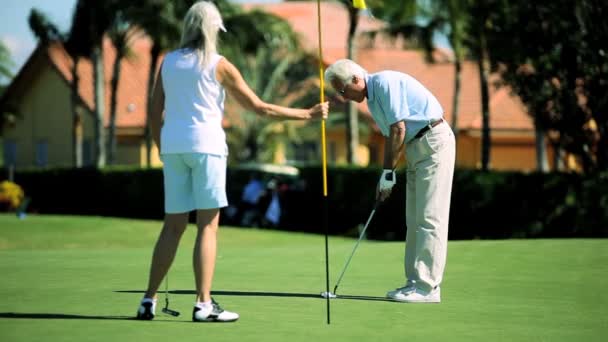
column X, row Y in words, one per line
column 167, row 290
column 356, row 245
column 166, row 308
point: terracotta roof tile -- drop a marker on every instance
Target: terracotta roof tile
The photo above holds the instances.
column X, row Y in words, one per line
column 302, row 15
column 132, row 87
column 506, row 111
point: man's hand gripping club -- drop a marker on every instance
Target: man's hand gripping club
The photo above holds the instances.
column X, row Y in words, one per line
column 388, row 179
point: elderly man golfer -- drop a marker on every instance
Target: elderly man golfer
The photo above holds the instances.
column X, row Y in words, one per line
column 407, row 113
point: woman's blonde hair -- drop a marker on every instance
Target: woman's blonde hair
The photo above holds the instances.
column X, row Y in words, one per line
column 201, row 26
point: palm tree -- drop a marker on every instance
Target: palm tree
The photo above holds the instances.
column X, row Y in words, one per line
column 6, row 62
column 441, row 16
column 352, row 123
column 276, row 78
column 159, row 19
column 480, row 19
column 457, row 22
column 465, row 21
column 122, row 34
column 267, row 51
column 91, row 20
column 47, row 32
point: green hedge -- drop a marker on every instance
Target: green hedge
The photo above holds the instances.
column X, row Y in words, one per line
column 134, row 193
column 484, row 205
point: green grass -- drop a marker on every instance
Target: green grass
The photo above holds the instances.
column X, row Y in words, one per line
column 80, row 279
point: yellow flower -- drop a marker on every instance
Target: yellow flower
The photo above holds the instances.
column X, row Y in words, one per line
column 11, row 193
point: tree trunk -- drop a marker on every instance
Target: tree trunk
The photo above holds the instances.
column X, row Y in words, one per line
column 76, row 118
column 602, row 147
column 542, row 164
column 456, row 38
column 456, row 98
column 113, row 105
column 154, row 55
column 352, row 123
column 99, row 85
column 557, row 156
column 485, row 104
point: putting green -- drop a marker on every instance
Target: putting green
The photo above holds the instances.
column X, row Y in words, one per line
column 80, row 279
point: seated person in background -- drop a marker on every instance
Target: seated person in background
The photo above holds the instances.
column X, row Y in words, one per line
column 250, row 201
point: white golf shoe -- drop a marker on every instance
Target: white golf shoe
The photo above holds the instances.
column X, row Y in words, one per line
column 416, row 295
column 147, row 309
column 213, row 313
column 401, row 291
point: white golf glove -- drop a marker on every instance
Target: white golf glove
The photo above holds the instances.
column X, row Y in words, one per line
column 388, row 179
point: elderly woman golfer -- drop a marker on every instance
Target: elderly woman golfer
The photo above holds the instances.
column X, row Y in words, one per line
column 186, row 122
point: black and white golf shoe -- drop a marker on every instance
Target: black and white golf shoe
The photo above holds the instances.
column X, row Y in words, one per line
column 213, row 313
column 146, row 310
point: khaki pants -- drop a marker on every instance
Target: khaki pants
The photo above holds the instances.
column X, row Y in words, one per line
column 430, row 171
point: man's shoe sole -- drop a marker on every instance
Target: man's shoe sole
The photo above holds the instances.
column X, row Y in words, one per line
column 213, row 320
column 434, row 301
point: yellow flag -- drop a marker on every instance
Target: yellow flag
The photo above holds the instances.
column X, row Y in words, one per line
column 359, row 4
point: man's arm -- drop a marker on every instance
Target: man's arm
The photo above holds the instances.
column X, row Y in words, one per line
column 393, row 145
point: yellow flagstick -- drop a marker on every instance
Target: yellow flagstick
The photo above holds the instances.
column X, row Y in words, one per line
column 360, row 4
column 324, row 154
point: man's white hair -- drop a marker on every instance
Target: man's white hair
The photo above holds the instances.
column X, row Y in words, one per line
column 344, row 70
column 199, row 33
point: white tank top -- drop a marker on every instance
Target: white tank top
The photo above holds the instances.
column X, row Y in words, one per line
column 194, row 105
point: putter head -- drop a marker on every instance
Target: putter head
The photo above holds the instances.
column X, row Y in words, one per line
column 170, row 312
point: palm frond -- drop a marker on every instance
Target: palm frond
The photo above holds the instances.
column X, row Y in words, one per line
column 277, row 75
column 6, row 63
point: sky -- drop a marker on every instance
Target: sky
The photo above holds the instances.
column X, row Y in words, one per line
column 15, row 32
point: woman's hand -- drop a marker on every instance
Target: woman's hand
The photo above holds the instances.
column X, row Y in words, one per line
column 319, row 111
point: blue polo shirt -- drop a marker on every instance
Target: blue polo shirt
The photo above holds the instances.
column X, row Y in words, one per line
column 394, row 96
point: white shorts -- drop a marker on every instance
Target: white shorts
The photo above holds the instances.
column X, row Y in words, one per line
column 194, row 181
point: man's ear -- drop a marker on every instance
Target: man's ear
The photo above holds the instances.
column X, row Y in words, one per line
column 355, row 80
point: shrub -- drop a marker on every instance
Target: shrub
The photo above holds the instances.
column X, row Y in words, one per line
column 11, row 195
column 485, row 205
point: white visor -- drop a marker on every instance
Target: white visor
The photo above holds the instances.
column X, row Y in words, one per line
column 220, row 24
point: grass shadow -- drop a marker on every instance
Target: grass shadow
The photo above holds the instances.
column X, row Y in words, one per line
column 29, row 315
column 270, row 294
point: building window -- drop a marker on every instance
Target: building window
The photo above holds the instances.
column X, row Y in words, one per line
column 374, row 155
column 87, row 152
column 333, row 152
column 10, row 153
column 42, row 153
column 305, row 152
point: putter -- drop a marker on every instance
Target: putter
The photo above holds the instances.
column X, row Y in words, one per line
column 166, row 309
column 371, row 215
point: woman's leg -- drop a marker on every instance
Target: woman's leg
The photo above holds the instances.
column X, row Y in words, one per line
column 164, row 251
column 205, row 251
